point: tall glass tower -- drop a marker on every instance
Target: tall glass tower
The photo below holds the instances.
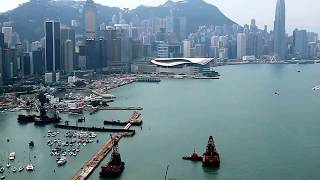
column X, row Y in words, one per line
column 280, row 49
column 52, row 48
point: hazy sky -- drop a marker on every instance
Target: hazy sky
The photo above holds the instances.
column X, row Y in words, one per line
column 300, row 14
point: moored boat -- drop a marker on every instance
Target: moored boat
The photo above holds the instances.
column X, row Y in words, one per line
column 193, row 157
column 211, row 157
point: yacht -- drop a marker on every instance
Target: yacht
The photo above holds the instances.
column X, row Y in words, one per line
column 62, row 161
column 29, row 167
column 12, row 156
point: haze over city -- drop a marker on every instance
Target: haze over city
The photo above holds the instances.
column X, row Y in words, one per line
column 178, row 90
column 300, row 14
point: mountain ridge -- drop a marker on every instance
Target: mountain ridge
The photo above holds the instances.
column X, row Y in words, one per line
column 30, row 24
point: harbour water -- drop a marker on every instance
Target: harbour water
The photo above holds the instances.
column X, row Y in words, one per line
column 260, row 135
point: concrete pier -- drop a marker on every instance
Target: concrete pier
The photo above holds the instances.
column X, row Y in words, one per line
column 97, row 158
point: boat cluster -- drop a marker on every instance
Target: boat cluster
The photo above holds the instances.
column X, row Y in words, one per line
column 70, row 145
column 9, row 167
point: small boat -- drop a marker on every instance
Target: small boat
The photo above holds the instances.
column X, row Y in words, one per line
column 193, row 157
column 14, row 169
column 31, row 143
column 29, row 167
column 62, row 161
column 12, row 156
column 8, row 165
column 2, row 169
column 2, row 177
column 21, row 168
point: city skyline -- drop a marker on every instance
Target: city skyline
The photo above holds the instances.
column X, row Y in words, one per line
column 241, row 11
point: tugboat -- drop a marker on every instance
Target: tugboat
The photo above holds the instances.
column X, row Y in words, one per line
column 115, row 166
column 31, row 143
column 193, row 157
column 211, row 156
column 26, row 118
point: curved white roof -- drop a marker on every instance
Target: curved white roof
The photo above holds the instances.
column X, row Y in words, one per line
column 170, row 62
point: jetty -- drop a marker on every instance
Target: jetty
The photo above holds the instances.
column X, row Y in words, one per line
column 87, row 169
column 96, row 129
column 109, row 108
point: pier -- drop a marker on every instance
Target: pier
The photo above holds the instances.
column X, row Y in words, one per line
column 87, row 169
column 108, row 108
column 96, row 129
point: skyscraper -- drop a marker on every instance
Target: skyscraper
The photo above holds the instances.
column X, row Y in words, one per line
column 90, row 19
column 186, row 48
column 280, row 31
column 68, row 56
column 52, row 48
column 7, row 31
column 1, row 40
column 241, row 45
column 300, row 43
column 65, row 35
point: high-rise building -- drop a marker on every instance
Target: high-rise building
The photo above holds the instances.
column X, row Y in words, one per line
column 280, row 42
column 38, row 61
column 162, row 50
column 300, row 43
column 90, row 19
column 52, row 47
column 65, row 35
column 26, row 64
column 68, row 56
column 7, row 31
column 186, row 48
column 1, row 40
column 241, row 45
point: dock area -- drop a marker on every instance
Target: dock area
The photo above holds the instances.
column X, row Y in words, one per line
column 114, row 108
column 96, row 129
column 87, row 169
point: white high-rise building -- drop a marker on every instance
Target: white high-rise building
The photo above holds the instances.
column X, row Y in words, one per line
column 215, row 41
column 163, row 50
column 241, row 45
column 186, row 48
column 7, row 32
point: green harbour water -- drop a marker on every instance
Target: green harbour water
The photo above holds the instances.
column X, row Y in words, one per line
column 259, row 135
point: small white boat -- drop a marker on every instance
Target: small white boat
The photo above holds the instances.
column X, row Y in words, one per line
column 14, row 169
column 29, row 167
column 12, row 156
column 2, row 177
column 8, row 165
column 62, row 161
column 2, row 169
column 21, row 168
